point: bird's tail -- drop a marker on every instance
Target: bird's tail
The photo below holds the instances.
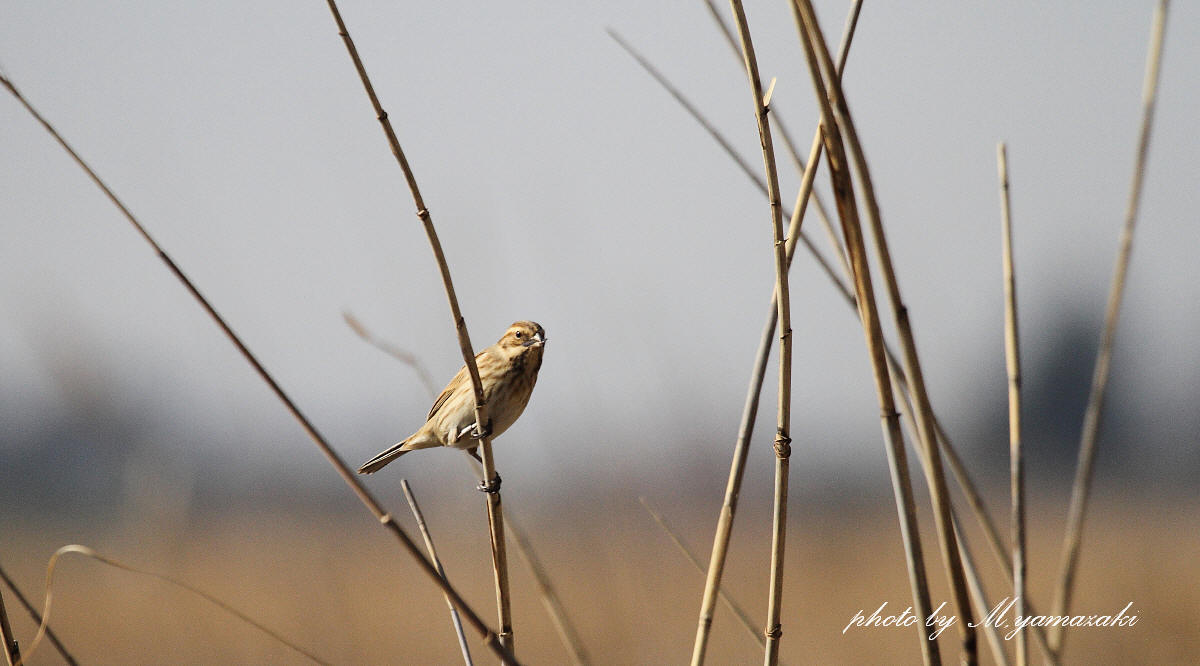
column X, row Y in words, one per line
column 378, row 462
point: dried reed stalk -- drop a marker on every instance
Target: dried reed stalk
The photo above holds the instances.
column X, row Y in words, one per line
column 490, row 637
column 963, row 477
column 734, row 607
column 437, row 562
column 737, row 467
column 404, row 356
column 12, row 651
column 974, row 583
column 491, row 478
column 726, row 146
column 1095, row 405
column 1012, row 357
column 784, row 135
column 37, row 617
column 813, row 42
column 783, row 440
column 88, row 552
column 979, row 596
column 567, row 632
column 935, row 477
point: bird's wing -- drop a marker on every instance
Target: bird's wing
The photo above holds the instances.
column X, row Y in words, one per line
column 460, row 380
column 437, row 404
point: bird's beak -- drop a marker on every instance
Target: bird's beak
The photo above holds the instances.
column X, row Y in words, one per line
column 537, row 339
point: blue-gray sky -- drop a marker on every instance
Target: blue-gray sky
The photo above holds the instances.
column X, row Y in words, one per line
column 570, row 189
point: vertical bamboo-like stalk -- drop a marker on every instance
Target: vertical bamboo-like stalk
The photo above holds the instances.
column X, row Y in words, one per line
column 783, row 441
column 724, row 530
column 1091, row 421
column 437, row 563
column 491, row 480
column 939, row 493
column 745, row 430
column 368, row 500
column 961, row 474
column 1012, row 356
column 812, row 41
column 785, row 136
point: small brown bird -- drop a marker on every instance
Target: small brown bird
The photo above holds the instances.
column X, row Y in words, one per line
column 507, row 370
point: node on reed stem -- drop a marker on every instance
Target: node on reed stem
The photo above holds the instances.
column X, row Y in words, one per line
column 812, row 41
column 491, row 479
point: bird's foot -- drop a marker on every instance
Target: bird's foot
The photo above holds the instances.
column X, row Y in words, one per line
column 490, row 487
column 476, row 433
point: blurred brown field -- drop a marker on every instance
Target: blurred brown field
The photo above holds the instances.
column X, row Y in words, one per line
column 341, row 587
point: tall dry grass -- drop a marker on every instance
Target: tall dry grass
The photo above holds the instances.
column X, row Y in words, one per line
column 900, row 390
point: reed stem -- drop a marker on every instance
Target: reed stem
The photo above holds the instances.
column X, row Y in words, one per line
column 495, row 512
column 1091, row 421
column 737, row 468
column 812, row 41
column 37, row 617
column 490, row 637
column 1012, row 356
column 12, row 652
column 437, row 563
column 935, row 477
column 783, row 440
column 567, row 632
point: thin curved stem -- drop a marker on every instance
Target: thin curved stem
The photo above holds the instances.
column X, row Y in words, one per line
column 494, row 510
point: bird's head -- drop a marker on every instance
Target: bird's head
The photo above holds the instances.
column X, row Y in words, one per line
column 523, row 337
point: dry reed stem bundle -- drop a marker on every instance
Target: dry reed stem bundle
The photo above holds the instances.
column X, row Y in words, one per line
column 974, row 583
column 724, row 528
column 784, row 135
column 812, row 41
column 965, row 483
column 742, row 164
column 939, row 494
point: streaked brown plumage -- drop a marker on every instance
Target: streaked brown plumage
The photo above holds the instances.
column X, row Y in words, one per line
column 507, row 370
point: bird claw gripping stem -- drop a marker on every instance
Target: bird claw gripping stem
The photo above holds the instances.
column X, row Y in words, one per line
column 476, row 433
column 490, row 487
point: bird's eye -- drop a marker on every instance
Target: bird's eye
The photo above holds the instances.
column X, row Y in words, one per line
column 517, row 333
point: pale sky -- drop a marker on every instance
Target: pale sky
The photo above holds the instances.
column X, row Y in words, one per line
column 570, row 189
